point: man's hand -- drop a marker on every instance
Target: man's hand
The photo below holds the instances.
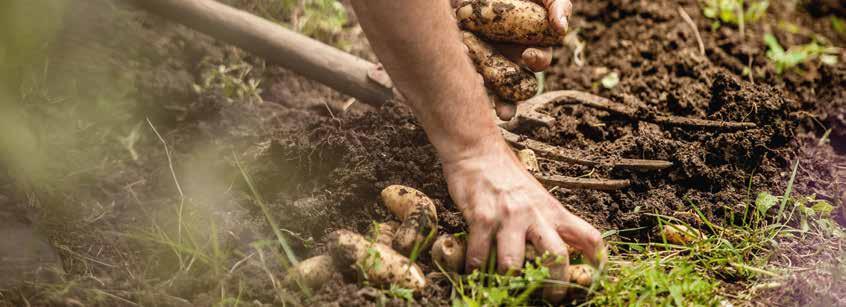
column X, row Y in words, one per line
column 533, row 59
column 420, row 47
column 503, row 202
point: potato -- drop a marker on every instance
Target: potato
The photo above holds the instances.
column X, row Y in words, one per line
column 505, row 78
column 582, row 275
column 312, row 272
column 529, row 159
column 681, row 235
column 509, row 21
column 384, row 232
column 448, row 251
column 380, row 265
column 418, row 215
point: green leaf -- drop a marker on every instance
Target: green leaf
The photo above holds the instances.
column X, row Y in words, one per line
column 823, row 208
column 764, row 202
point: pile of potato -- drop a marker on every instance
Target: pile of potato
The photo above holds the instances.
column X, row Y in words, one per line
column 382, row 258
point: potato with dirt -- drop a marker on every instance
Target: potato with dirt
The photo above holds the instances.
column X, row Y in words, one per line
column 377, row 263
column 311, row 273
column 418, row 214
column 448, row 252
column 681, row 234
column 505, row 78
column 508, row 21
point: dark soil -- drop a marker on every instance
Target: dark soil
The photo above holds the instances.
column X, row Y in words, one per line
column 319, row 171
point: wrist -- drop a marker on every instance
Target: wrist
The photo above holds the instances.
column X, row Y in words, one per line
column 484, row 142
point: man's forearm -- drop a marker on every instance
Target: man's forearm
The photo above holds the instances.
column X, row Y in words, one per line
column 420, row 46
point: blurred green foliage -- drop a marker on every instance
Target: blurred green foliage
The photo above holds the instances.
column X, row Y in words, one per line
column 319, row 19
column 735, row 12
column 785, row 59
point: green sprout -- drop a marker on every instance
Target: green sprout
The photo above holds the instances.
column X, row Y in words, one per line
column 735, row 12
column 785, row 59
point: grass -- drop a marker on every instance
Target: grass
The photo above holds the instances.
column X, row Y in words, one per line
column 487, row 288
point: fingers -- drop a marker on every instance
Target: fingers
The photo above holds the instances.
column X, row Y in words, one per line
column 456, row 3
column 537, row 60
column 559, row 11
column 510, row 247
column 546, row 239
column 533, row 59
column 479, row 242
column 504, row 110
column 582, row 236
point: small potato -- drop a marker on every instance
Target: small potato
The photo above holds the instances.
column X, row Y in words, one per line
column 582, row 275
column 448, row 251
column 312, row 272
column 505, row 78
column 529, row 159
column 418, row 214
column 508, row 21
column 681, row 235
column 382, row 265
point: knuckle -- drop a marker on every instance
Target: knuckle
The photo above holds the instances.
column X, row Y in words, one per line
column 484, row 217
column 593, row 238
column 475, row 262
column 512, row 209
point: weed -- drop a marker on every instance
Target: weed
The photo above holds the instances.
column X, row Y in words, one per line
column 735, row 12
column 321, row 19
column 232, row 82
column 796, row 55
column 491, row 289
column 400, row 292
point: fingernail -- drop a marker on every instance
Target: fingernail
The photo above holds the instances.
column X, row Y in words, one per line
column 563, row 23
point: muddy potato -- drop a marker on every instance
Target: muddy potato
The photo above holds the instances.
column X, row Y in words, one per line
column 582, row 275
column 448, row 251
column 505, row 78
column 508, row 21
column 384, row 232
column 312, row 272
column 680, row 234
column 382, row 265
column 418, row 215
